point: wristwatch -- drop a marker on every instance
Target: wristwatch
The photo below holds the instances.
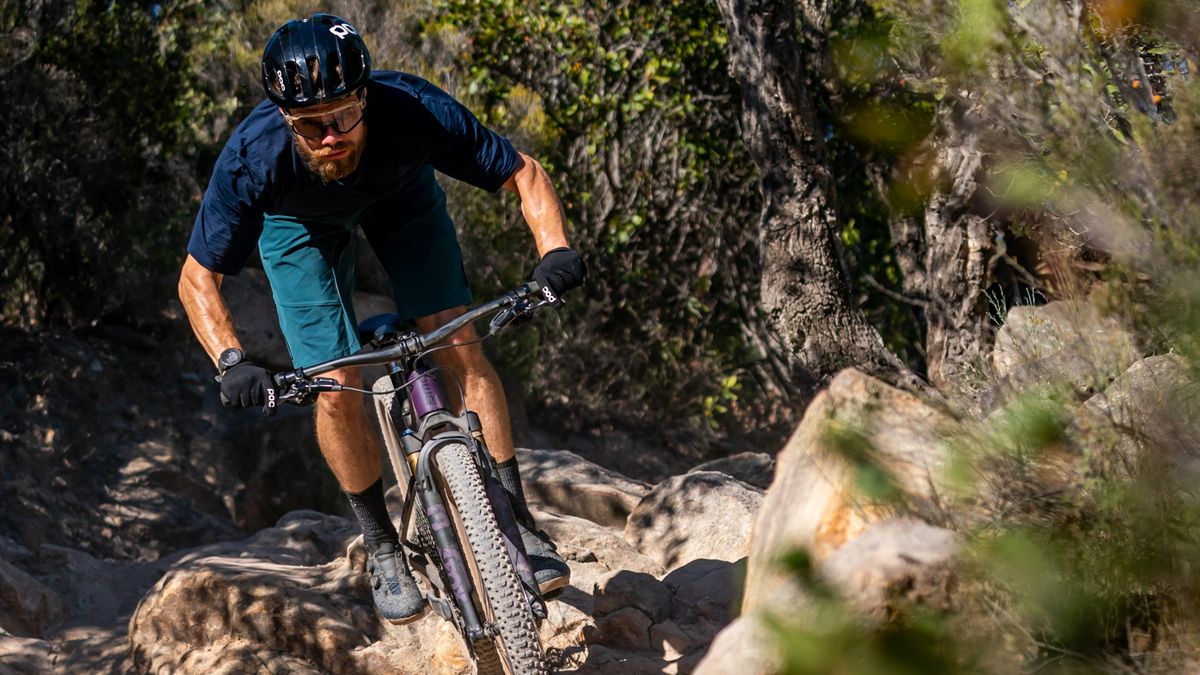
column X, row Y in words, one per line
column 229, row 358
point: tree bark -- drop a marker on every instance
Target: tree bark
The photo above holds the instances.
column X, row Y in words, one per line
column 804, row 287
column 958, row 242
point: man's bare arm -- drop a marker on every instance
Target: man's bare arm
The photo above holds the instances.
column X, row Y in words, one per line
column 200, row 293
column 539, row 204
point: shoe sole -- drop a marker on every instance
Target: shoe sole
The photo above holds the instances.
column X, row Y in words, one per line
column 407, row 619
column 554, row 585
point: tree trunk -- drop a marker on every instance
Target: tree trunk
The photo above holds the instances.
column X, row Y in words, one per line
column 945, row 251
column 804, row 286
column 958, row 244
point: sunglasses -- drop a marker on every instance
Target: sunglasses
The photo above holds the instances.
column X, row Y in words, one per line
column 342, row 120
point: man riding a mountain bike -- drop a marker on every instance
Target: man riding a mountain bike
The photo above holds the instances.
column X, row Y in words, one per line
column 338, row 146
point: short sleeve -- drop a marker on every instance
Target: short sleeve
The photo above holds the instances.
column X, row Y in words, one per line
column 465, row 149
column 230, row 218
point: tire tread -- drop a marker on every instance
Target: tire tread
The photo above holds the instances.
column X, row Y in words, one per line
column 517, row 629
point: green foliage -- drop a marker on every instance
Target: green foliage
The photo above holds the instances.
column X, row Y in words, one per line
column 875, row 124
column 638, row 125
column 101, row 96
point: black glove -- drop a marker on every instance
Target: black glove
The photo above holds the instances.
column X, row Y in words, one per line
column 246, row 385
column 559, row 271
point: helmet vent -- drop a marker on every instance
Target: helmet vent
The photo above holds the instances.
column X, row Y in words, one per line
column 333, row 71
column 314, row 76
column 294, row 78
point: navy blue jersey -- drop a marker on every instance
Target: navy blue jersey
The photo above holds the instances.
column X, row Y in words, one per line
column 411, row 126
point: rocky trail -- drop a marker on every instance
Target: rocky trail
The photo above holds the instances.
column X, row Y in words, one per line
column 155, row 542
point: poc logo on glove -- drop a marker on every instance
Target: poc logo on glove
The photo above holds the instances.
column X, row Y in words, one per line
column 341, row 30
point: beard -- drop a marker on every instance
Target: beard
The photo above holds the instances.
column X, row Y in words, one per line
column 327, row 170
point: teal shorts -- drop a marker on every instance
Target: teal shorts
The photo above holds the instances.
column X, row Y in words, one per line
column 310, row 265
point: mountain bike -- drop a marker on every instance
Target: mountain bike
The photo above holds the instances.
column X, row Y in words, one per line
column 457, row 525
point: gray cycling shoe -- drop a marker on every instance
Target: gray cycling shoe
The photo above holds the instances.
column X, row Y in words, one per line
column 392, row 586
column 549, row 569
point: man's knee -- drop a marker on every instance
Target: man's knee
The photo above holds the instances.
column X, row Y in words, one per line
column 342, row 405
column 468, row 360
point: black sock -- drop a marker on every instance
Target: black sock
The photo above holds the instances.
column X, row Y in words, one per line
column 510, row 478
column 373, row 517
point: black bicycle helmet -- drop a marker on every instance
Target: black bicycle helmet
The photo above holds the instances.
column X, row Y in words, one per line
column 313, row 61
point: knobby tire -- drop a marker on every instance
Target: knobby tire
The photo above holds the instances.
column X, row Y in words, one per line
column 516, row 649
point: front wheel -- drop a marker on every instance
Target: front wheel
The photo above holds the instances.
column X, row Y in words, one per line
column 500, row 597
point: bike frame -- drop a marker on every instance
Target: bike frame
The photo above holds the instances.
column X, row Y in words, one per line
column 428, row 427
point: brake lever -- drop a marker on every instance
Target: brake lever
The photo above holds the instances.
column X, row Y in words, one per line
column 501, row 319
column 520, row 311
column 304, row 392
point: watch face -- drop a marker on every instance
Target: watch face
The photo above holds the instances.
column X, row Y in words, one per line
column 230, row 358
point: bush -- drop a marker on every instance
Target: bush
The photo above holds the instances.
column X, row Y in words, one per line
column 637, row 120
column 101, row 100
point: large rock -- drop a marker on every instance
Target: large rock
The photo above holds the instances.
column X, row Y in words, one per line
column 279, row 598
column 624, row 589
column 1150, row 411
column 857, row 427
column 660, row 626
column 27, row 606
column 698, row 515
column 626, row 628
column 595, row 554
column 895, row 562
column 706, row 595
column 567, row 483
column 815, row 502
column 289, row 598
column 1063, row 341
column 26, row 656
column 754, row 468
column 581, row 541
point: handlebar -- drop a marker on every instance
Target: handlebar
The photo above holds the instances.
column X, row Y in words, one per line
column 523, row 300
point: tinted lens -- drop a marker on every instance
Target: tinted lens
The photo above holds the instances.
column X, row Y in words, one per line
column 309, row 127
column 342, row 122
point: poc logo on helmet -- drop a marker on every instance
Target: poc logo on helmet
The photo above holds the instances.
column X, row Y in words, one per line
column 341, row 30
